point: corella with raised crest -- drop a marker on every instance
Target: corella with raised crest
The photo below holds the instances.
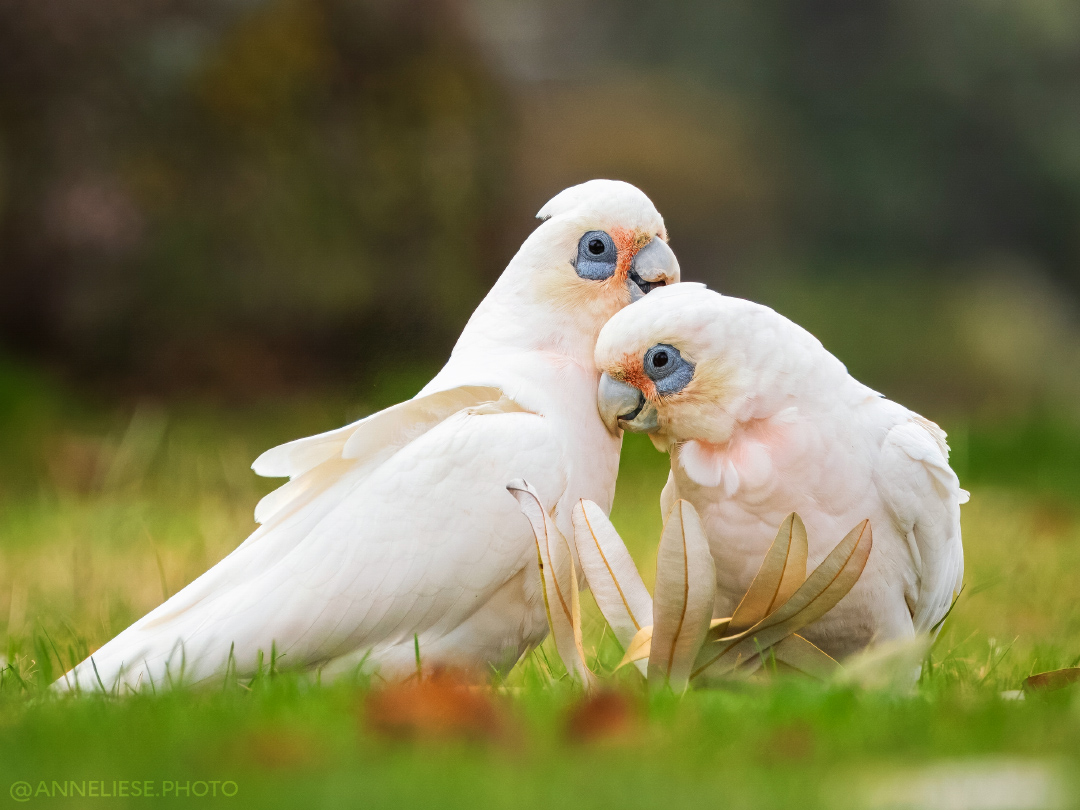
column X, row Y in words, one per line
column 395, row 538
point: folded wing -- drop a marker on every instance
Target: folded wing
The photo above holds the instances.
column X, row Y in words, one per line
column 924, row 495
column 393, row 528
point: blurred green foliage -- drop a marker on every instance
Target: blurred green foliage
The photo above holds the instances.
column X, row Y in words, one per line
column 288, row 744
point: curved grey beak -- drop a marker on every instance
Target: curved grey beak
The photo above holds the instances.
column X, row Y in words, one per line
column 623, row 406
column 653, row 266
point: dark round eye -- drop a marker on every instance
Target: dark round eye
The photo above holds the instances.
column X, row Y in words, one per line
column 667, row 368
column 596, row 257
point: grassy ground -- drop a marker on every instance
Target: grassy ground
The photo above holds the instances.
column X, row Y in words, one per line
column 104, row 512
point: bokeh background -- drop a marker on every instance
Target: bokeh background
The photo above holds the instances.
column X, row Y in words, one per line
column 249, row 196
column 227, row 224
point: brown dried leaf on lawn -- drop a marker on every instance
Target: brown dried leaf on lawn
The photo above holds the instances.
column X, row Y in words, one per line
column 605, row 716
column 275, row 748
column 440, row 706
column 1053, row 680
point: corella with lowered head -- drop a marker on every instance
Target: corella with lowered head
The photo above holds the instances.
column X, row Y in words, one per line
column 761, row 421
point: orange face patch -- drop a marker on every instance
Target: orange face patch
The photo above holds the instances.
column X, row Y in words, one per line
column 627, row 242
column 630, row 371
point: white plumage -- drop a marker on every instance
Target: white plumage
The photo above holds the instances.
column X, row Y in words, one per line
column 760, row 421
column 399, row 526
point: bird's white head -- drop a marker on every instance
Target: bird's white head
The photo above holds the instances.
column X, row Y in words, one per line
column 666, row 369
column 602, row 245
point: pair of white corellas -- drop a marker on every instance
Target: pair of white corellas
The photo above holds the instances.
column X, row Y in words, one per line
column 398, row 530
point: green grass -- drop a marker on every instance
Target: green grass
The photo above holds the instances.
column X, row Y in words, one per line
column 102, row 514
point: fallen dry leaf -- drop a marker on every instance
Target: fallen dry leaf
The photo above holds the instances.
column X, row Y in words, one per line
column 1053, row 680
column 441, row 706
column 794, row 742
column 603, row 717
column 276, row 749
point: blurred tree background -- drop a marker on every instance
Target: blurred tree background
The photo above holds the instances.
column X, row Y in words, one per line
column 248, row 196
column 208, row 194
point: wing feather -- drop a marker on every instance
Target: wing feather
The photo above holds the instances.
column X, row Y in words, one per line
column 924, row 495
column 373, row 553
column 382, row 429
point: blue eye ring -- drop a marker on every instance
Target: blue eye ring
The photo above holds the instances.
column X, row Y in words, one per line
column 667, row 368
column 596, row 257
